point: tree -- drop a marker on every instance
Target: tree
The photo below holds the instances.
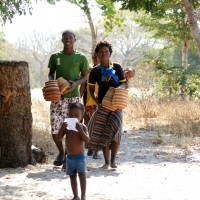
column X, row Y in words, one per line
column 84, row 38
column 85, row 7
column 39, row 47
column 36, row 50
column 9, row 8
column 129, row 44
column 106, row 9
column 15, row 115
column 189, row 8
column 171, row 26
column 156, row 8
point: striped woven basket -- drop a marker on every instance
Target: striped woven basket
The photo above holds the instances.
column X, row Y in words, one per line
column 120, row 98
column 107, row 100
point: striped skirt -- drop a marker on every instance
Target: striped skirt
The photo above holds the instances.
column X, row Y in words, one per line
column 104, row 126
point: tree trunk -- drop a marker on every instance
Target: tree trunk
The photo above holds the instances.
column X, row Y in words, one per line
column 92, row 29
column 193, row 22
column 83, row 5
column 15, row 115
column 94, row 35
column 185, row 47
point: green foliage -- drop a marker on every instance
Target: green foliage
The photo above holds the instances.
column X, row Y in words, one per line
column 155, row 7
column 82, row 4
column 193, row 85
column 171, row 24
column 171, row 80
column 193, row 59
column 168, row 78
column 173, row 10
column 9, row 8
column 135, row 5
column 112, row 17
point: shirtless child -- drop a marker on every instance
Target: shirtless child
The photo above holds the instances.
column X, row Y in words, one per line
column 75, row 145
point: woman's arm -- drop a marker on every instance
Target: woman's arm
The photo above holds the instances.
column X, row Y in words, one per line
column 122, row 78
column 124, row 85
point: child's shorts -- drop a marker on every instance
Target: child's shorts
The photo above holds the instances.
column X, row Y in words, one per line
column 75, row 164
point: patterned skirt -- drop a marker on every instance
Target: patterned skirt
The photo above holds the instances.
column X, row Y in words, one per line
column 104, row 127
column 59, row 111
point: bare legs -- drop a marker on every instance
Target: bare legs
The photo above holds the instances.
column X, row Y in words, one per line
column 114, row 151
column 59, row 159
column 74, row 187
column 106, row 153
column 82, row 178
column 58, row 144
column 74, row 184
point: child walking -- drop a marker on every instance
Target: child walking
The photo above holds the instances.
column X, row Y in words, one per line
column 75, row 145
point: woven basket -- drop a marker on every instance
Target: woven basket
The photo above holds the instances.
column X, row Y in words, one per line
column 64, row 85
column 51, row 91
column 120, row 98
column 107, row 100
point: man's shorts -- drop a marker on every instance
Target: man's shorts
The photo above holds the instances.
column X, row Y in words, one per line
column 75, row 164
column 59, row 111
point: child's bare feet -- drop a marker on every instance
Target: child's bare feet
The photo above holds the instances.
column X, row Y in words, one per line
column 76, row 198
column 105, row 166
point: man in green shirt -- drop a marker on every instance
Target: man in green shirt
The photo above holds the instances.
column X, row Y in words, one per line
column 73, row 66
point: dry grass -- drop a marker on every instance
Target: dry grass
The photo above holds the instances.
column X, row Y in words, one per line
column 174, row 117
column 164, row 117
column 184, row 117
column 41, row 126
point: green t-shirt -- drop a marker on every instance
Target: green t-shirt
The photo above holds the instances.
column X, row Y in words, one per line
column 69, row 67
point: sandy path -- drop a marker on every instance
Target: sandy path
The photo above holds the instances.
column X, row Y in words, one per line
column 146, row 170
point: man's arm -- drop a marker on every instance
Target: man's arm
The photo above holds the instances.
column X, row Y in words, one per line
column 83, row 79
column 51, row 74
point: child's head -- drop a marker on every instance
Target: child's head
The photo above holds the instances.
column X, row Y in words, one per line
column 76, row 110
column 95, row 59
